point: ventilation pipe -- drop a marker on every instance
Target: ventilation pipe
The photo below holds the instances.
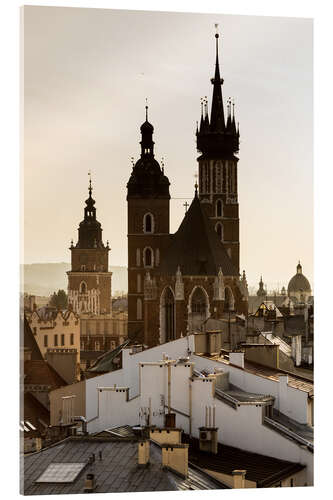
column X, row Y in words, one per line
column 84, row 423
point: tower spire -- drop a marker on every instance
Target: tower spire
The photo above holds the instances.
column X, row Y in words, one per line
column 147, row 143
column 217, row 123
column 146, row 109
column 90, row 187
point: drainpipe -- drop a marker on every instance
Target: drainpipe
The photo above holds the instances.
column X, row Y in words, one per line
column 169, row 388
column 190, row 406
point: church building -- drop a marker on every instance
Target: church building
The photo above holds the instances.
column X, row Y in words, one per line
column 177, row 281
column 89, row 280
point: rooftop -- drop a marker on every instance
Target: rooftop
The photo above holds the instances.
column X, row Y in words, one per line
column 263, row 470
column 273, row 374
column 118, row 471
column 39, row 372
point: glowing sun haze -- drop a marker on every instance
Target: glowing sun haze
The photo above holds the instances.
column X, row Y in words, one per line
column 87, row 73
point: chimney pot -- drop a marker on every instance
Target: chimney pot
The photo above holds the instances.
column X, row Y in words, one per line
column 239, row 478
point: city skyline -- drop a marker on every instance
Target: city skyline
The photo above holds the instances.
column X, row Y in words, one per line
column 85, row 91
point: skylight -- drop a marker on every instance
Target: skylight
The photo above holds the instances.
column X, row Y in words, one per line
column 61, row 472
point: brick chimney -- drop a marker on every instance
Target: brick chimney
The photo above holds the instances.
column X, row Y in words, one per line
column 143, row 452
column 175, row 457
column 239, row 478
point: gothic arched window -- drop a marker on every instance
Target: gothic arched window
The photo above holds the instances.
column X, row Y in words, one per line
column 169, row 315
column 148, row 257
column 148, row 223
column 198, row 301
column 83, row 287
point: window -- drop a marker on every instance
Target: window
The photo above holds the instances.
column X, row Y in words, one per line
column 45, row 341
column 55, row 340
column 291, row 482
column 83, row 287
column 198, row 302
column 97, row 345
column 219, row 208
column 148, row 257
column 72, row 338
column 83, row 268
column 148, row 223
column 62, row 339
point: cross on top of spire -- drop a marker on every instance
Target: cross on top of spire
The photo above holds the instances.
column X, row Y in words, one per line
column 146, row 109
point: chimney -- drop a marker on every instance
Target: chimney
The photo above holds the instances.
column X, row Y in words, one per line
column 166, row 436
column 239, row 478
column 143, row 452
column 296, row 349
column 208, row 434
column 237, row 359
column 175, row 457
column 90, row 483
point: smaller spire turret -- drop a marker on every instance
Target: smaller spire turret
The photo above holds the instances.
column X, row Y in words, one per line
column 261, row 291
column 147, row 130
column 216, row 136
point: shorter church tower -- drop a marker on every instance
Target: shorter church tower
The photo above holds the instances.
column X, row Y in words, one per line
column 89, row 281
column 148, row 202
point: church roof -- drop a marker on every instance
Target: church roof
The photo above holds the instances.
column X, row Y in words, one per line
column 299, row 283
column 196, row 247
column 30, row 341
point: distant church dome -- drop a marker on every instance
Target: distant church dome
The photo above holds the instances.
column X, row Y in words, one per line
column 298, row 283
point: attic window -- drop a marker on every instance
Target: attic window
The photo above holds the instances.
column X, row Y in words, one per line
column 61, row 472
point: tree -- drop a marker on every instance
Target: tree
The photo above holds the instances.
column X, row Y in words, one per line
column 59, row 299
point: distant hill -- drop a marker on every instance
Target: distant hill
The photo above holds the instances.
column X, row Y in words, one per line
column 44, row 279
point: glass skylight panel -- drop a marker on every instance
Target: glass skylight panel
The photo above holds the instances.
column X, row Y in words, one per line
column 61, row 472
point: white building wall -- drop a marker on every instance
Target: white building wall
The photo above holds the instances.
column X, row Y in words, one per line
column 292, row 402
column 114, row 410
column 129, row 376
column 243, row 428
column 106, row 380
column 174, row 350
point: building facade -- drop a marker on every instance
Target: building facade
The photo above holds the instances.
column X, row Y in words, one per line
column 89, row 280
column 176, row 281
column 56, row 330
column 102, row 333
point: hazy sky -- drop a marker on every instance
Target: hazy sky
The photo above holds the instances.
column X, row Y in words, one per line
column 87, row 73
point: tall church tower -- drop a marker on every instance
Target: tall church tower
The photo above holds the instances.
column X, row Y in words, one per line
column 148, row 202
column 218, row 143
column 89, row 281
